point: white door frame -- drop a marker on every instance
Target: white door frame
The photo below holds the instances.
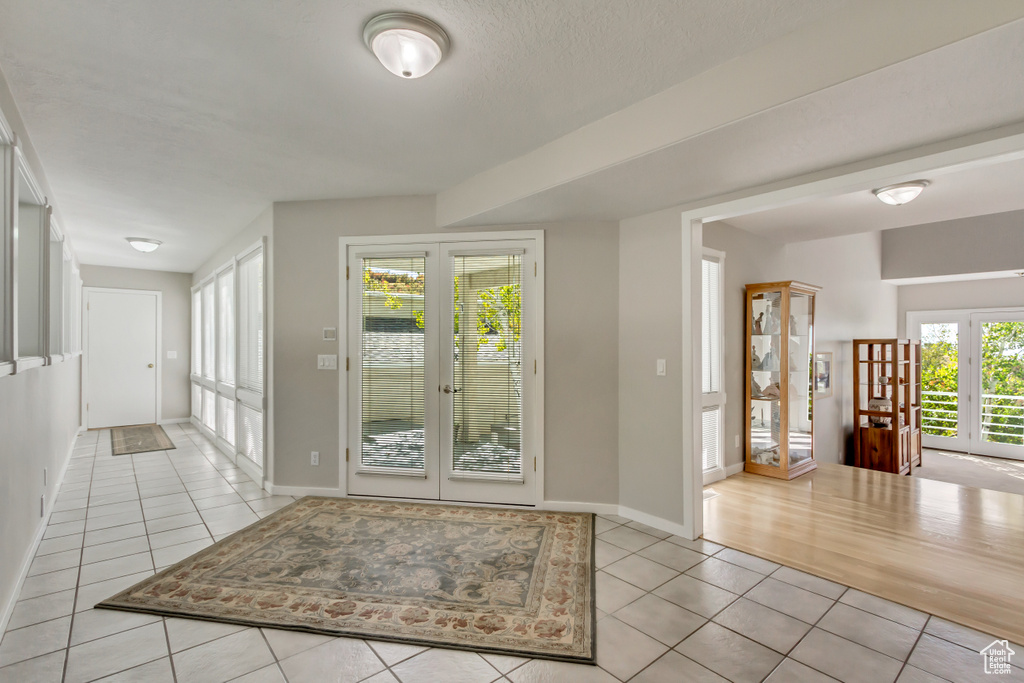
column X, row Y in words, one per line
column 442, row 238
column 85, row 345
column 962, row 441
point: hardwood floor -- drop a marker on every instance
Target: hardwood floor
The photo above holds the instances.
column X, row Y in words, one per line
column 954, row 551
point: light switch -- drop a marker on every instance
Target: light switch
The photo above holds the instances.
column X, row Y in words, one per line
column 327, row 362
column 171, row 355
column 330, row 334
column 661, row 367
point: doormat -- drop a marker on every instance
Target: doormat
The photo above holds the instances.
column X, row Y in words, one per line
column 513, row 582
column 139, row 439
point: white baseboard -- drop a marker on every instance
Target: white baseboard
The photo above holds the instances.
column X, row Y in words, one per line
column 651, row 520
column 571, row 506
column 175, row 421
column 26, row 563
column 299, row 491
column 734, row 469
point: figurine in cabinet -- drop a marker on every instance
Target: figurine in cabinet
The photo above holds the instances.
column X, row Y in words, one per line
column 758, row 322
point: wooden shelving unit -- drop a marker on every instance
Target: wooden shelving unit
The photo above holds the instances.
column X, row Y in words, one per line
column 887, row 404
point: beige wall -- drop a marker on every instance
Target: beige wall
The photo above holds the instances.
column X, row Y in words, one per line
column 175, row 323
column 39, row 417
column 651, row 327
column 581, row 405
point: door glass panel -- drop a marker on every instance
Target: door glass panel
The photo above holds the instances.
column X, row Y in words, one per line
column 940, row 383
column 1002, row 382
column 765, row 373
column 393, row 342
column 487, row 354
column 800, row 360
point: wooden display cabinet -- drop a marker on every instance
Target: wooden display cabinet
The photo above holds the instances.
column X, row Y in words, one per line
column 780, row 358
column 887, row 404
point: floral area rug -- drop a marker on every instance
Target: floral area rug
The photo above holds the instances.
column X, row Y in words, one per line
column 517, row 582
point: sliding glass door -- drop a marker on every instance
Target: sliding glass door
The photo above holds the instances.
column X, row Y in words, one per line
column 972, row 376
column 441, row 350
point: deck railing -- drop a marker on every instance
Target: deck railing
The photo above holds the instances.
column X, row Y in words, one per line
column 1002, row 417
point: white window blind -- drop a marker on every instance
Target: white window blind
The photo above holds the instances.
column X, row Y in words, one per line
column 250, row 433
column 226, row 418
column 711, row 449
column 197, row 401
column 250, row 322
column 487, row 424
column 711, row 326
column 208, row 330
column 226, row 326
column 392, row 344
column 209, row 409
column 197, row 332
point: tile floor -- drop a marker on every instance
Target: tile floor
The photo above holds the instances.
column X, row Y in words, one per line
column 669, row 609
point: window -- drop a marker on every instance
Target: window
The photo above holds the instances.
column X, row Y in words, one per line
column 55, row 275
column 32, row 237
column 227, row 358
column 713, row 398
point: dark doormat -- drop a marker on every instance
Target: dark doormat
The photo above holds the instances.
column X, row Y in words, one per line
column 139, row 439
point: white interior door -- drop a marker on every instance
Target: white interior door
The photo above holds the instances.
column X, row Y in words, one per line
column 441, row 371
column 121, row 357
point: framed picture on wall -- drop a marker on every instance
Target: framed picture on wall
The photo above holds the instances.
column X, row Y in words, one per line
column 823, row 374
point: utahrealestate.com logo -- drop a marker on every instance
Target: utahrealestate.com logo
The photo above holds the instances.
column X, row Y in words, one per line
column 997, row 657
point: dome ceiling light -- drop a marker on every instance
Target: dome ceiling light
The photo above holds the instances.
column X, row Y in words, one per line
column 144, row 244
column 408, row 45
column 901, row 193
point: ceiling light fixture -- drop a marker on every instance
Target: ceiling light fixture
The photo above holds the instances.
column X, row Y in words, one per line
column 143, row 244
column 895, row 195
column 406, row 44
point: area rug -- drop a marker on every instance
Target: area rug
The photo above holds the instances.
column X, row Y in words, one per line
column 514, row 582
column 139, row 439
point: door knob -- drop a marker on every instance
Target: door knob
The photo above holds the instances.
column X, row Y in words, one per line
column 448, row 390
column 150, row 365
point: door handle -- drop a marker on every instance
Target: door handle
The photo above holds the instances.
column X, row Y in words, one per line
column 150, row 365
column 448, row 390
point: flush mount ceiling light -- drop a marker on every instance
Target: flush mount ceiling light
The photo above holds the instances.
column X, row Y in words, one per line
column 407, row 45
column 895, row 195
column 143, row 244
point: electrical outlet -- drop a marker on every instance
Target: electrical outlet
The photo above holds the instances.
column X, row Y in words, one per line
column 661, row 367
column 314, row 458
column 737, row 441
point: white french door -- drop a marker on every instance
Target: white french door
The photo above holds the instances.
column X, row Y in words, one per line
column 972, row 380
column 442, row 344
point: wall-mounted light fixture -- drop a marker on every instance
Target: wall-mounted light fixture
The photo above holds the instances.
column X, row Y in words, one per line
column 406, row 44
column 901, row 193
column 143, row 244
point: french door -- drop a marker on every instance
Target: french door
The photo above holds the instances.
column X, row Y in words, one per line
column 442, row 344
column 972, row 380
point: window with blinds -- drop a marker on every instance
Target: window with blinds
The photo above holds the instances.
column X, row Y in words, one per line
column 250, row 434
column 209, row 409
column 711, row 431
column 250, row 322
column 197, row 401
column 488, row 373
column 208, row 330
column 226, row 326
column 197, row 332
column 226, row 418
column 392, row 352
column 711, row 325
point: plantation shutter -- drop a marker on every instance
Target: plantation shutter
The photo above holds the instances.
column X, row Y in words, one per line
column 711, row 332
column 250, row 322
column 392, row 346
column 226, row 326
column 488, row 372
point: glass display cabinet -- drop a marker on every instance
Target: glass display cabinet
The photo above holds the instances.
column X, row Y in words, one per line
column 780, row 359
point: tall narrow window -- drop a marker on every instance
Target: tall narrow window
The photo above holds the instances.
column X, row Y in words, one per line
column 250, row 322
column 208, row 330
column 713, row 398
column 30, row 254
column 55, row 256
column 197, row 332
column 226, row 326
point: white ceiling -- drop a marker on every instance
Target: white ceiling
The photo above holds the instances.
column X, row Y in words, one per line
column 183, row 120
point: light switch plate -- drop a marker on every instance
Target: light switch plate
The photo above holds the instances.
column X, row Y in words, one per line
column 330, row 334
column 327, row 362
column 171, row 355
column 661, row 367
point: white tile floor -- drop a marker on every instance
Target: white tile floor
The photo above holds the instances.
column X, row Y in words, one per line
column 669, row 609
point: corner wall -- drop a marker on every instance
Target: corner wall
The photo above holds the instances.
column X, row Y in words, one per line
column 175, row 324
